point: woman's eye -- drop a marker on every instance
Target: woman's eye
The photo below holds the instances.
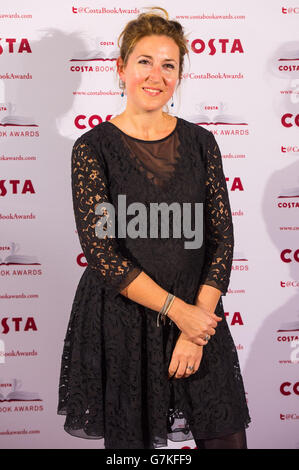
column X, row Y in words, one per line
column 169, row 66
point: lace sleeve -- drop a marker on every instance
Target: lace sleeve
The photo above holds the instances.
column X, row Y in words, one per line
column 218, row 223
column 89, row 188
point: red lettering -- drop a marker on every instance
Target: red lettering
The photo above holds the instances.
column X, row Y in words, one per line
column 198, row 46
column 28, row 187
column 237, row 46
column 283, row 257
column 195, row 48
column 223, row 42
column 5, row 325
column 283, row 386
column 24, row 46
column 237, row 319
column 284, row 120
column 80, row 262
column 14, row 184
column 30, row 324
column 237, row 184
column 10, row 44
column 288, row 384
column 17, row 321
column 92, row 118
column 212, row 47
column 77, row 123
column 288, row 251
column 3, row 189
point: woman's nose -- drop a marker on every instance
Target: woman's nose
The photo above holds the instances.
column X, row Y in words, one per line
column 156, row 73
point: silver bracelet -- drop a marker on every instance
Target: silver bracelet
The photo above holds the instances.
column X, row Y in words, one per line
column 164, row 310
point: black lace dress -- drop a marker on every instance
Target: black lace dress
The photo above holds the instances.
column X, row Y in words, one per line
column 114, row 371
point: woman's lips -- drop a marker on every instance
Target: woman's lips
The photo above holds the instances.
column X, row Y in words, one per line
column 151, row 91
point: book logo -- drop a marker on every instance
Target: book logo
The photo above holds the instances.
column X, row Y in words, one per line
column 11, row 390
column 16, row 258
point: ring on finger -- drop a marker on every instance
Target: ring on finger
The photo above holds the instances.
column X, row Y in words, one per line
column 190, row 367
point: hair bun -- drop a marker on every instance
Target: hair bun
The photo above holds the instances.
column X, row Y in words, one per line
column 152, row 13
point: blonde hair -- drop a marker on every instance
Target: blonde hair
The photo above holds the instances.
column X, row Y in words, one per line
column 147, row 24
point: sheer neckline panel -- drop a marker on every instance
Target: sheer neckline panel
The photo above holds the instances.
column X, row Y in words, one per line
column 148, row 141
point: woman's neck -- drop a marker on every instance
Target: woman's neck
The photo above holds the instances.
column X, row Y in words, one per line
column 145, row 125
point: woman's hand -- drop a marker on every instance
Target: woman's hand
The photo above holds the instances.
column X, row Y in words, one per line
column 193, row 320
column 184, row 354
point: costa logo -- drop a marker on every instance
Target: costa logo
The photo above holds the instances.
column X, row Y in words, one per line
column 236, row 318
column 236, row 184
column 287, row 339
column 287, row 255
column 92, row 121
column 289, row 205
column 23, row 46
column 16, row 187
column 289, row 120
column 223, row 45
column 288, row 68
column 287, row 388
column 106, row 43
column 17, row 324
column 91, row 68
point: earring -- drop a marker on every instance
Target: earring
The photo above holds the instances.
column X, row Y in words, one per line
column 172, row 104
column 122, row 86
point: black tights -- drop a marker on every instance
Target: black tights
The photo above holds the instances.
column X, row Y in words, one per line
column 236, row 440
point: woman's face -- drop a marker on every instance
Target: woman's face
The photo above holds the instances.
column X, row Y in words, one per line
column 151, row 72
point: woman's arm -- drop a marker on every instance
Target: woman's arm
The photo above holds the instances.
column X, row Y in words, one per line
column 194, row 322
column 90, row 188
column 219, row 234
column 208, row 297
column 145, row 291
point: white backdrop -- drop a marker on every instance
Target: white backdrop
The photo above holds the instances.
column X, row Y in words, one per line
column 242, row 83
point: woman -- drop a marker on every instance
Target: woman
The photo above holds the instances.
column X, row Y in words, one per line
column 128, row 375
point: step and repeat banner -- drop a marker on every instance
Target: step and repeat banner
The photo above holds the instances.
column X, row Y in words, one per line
column 58, row 79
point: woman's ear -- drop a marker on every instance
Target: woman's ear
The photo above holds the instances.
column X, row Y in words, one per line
column 120, row 68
